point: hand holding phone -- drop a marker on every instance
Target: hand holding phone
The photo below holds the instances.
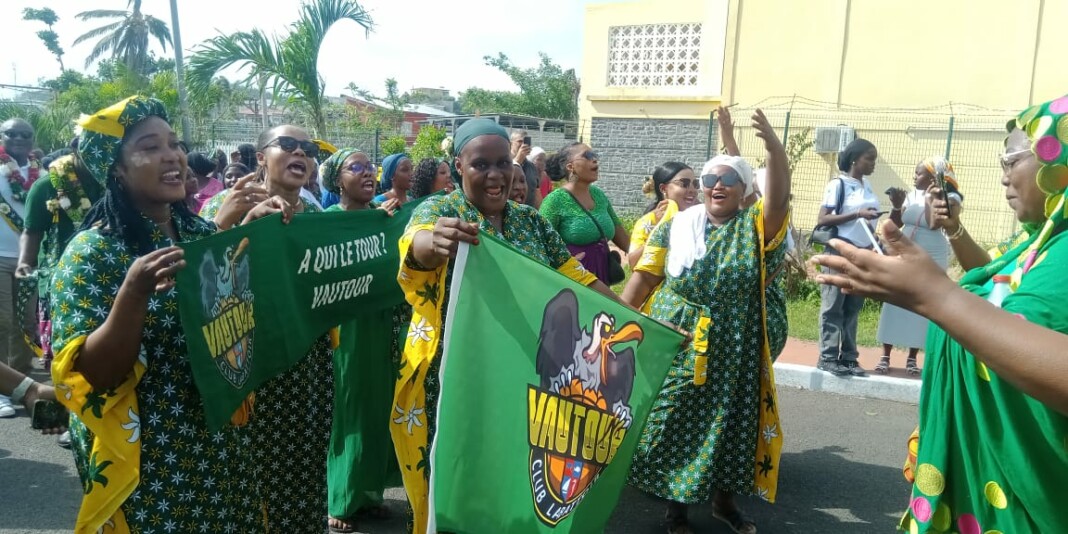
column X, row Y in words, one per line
column 526, row 140
column 48, row 414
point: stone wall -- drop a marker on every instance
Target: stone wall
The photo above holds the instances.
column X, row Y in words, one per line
column 631, row 148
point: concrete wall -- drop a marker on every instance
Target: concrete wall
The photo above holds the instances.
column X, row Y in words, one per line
column 631, row 148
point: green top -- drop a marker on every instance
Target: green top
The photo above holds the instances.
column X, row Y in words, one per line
column 337, row 207
column 992, row 458
column 56, row 227
column 571, row 222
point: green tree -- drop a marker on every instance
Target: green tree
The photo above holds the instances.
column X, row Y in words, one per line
column 389, row 112
column 546, row 91
column 49, row 37
column 289, row 65
column 126, row 38
column 394, row 145
column 428, row 143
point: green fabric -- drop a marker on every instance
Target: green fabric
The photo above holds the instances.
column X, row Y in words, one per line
column 331, row 169
column 500, row 448
column 991, row 458
column 192, row 468
column 100, row 143
column 251, row 317
column 57, row 229
column 702, row 438
column 475, row 128
column 572, row 223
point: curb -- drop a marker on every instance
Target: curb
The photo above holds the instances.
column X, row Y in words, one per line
column 873, row 387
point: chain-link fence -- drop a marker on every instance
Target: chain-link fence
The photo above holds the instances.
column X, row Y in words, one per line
column 972, row 139
column 227, row 135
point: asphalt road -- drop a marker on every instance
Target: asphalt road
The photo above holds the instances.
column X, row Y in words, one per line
column 841, row 473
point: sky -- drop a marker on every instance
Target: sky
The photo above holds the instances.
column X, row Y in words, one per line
column 421, row 43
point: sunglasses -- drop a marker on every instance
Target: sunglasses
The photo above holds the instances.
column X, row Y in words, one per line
column 289, row 144
column 685, row 183
column 13, row 134
column 589, row 155
column 360, row 168
column 729, row 178
column 1010, row 160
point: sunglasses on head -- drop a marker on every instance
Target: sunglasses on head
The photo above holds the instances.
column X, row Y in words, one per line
column 729, row 178
column 19, row 133
column 289, row 144
column 360, row 168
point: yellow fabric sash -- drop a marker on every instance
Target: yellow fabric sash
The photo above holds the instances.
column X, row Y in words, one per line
column 114, row 463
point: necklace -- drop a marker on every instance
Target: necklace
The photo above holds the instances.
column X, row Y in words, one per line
column 9, row 169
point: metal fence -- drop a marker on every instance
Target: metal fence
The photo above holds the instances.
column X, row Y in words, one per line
column 970, row 137
column 227, row 135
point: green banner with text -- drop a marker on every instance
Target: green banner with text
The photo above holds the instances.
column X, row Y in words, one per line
column 255, row 298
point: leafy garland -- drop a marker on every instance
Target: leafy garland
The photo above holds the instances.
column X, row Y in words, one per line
column 9, row 169
column 70, row 195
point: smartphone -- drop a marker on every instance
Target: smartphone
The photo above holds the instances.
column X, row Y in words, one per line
column 526, row 140
column 881, row 213
column 940, row 179
column 49, row 414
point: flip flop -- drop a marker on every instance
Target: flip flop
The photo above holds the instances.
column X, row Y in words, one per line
column 735, row 520
column 349, row 528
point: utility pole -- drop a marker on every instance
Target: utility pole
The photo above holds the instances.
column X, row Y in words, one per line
column 179, row 67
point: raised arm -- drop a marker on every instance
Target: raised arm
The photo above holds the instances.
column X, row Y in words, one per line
column 777, row 196
column 726, row 131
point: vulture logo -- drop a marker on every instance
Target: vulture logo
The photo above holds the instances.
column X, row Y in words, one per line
column 227, row 301
column 580, row 412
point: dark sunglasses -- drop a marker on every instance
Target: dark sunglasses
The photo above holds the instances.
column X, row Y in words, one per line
column 685, row 183
column 729, row 178
column 589, row 155
column 289, row 144
column 360, row 168
column 19, row 133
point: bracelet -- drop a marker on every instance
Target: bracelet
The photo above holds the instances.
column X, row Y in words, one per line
column 895, row 209
column 956, row 235
column 19, row 392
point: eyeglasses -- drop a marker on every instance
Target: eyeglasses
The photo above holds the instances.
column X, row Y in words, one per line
column 360, row 168
column 12, row 134
column 289, row 144
column 685, row 183
column 1010, row 160
column 729, row 178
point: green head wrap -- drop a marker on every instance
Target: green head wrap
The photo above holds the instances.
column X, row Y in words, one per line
column 330, row 169
column 467, row 132
column 102, row 133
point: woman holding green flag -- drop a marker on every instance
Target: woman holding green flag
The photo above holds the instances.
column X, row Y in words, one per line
column 993, row 435
column 483, row 162
column 146, row 458
column 361, row 461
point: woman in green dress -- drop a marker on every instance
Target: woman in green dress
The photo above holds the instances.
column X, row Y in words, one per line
column 147, row 460
column 484, row 162
column 361, row 459
column 713, row 431
column 293, row 412
column 993, row 434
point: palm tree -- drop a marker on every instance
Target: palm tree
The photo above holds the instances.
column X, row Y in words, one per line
column 127, row 38
column 288, row 65
column 179, row 67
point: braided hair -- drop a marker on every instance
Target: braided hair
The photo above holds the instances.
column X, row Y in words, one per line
column 423, row 177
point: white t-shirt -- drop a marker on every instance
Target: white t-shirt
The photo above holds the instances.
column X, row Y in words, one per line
column 858, row 196
column 9, row 240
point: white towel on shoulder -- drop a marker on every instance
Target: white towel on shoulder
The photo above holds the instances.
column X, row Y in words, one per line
column 686, row 242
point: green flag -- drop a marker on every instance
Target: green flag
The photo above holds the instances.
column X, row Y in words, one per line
column 253, row 299
column 545, row 387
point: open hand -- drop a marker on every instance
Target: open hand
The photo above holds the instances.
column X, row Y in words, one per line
column 239, row 201
column 897, row 197
column 766, row 132
column 154, row 271
column 275, row 204
column 390, row 206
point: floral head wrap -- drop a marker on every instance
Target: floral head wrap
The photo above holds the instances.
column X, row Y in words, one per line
column 330, row 170
column 102, row 133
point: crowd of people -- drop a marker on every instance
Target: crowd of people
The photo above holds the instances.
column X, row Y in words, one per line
column 90, row 236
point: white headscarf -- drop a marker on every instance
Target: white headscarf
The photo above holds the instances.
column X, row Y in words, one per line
column 686, row 243
column 534, row 153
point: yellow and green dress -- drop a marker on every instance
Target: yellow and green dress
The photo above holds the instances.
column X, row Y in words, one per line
column 415, row 401
column 639, row 236
column 715, row 423
column 290, row 428
column 147, row 461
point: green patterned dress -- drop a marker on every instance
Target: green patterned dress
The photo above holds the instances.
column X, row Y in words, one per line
column 191, row 479
column 704, row 428
column 290, row 429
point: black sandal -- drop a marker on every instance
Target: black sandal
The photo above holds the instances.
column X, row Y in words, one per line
column 735, row 520
column 884, row 365
column 677, row 520
column 910, row 367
